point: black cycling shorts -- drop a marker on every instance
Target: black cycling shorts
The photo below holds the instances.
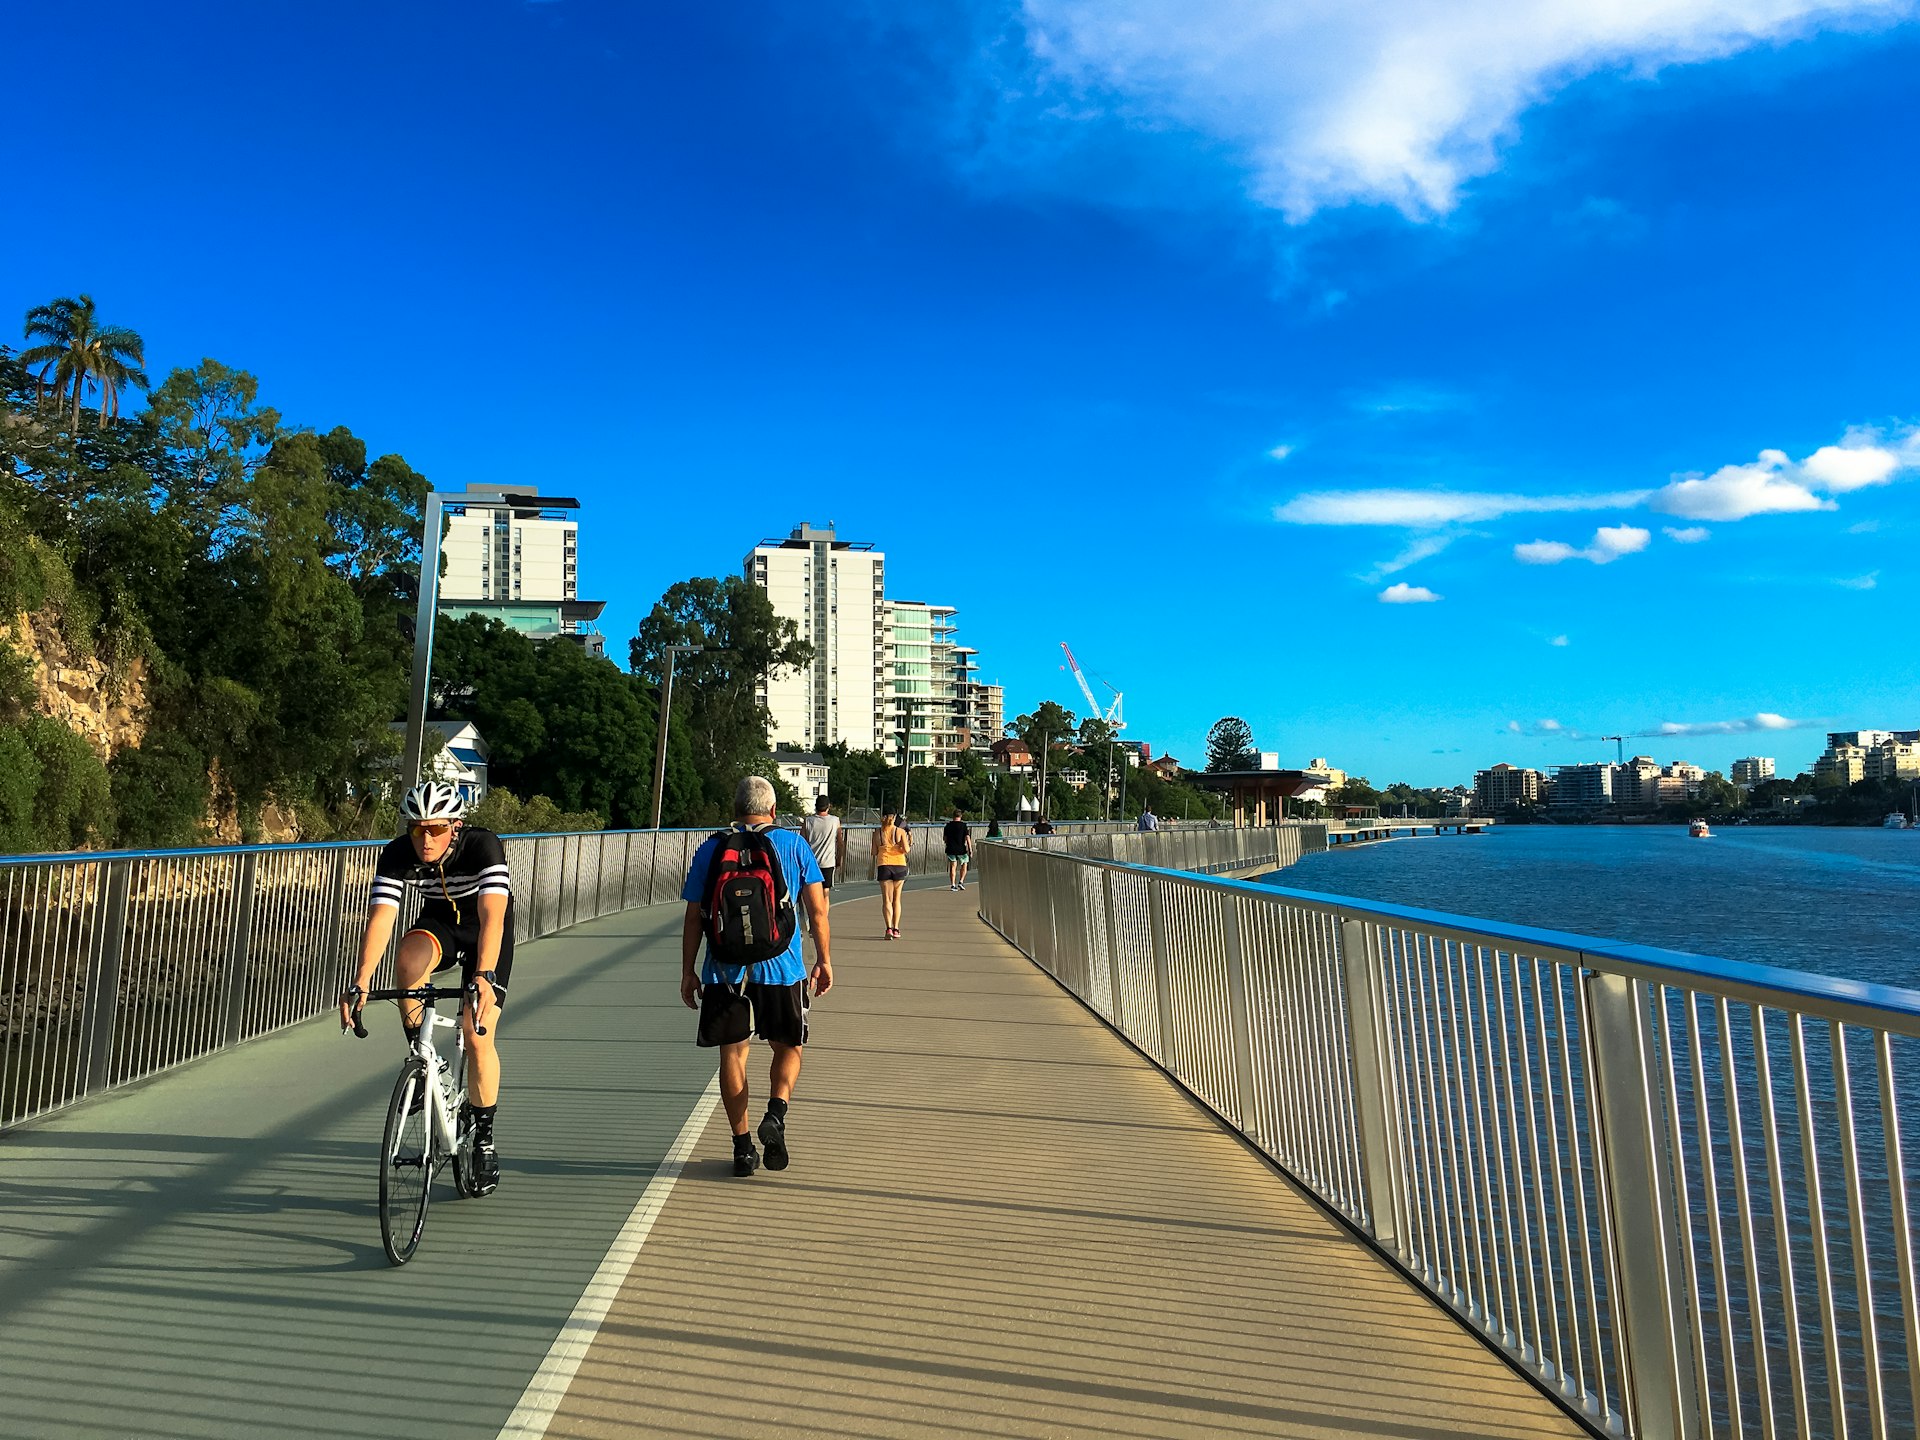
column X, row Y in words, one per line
column 891, row 872
column 773, row 1012
column 460, row 945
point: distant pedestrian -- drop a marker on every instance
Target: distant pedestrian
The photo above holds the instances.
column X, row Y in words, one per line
column 959, row 841
column 1147, row 821
column 1043, row 826
column 740, row 896
column 993, row 828
column 890, row 844
column 829, row 841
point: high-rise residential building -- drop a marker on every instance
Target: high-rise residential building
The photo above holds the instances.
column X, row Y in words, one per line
column 1503, row 787
column 517, row 563
column 1893, row 760
column 1582, row 787
column 1840, row 765
column 919, row 684
column 833, row 590
column 881, row 668
column 1750, row 770
column 1636, row 784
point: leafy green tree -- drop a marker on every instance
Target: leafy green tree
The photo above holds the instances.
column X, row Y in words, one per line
column 75, row 350
column 160, row 791
column 716, row 705
column 1230, row 745
column 557, row 721
column 208, row 420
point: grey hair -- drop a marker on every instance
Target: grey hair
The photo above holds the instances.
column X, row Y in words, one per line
column 753, row 796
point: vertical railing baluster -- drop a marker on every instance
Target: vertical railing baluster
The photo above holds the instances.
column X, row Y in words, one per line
column 1902, row 1218
column 1370, row 1074
column 1638, row 1207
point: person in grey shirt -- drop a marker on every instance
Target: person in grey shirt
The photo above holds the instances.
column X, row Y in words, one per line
column 1147, row 821
column 828, row 839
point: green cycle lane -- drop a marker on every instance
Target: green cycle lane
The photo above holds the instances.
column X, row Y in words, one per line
column 200, row 1255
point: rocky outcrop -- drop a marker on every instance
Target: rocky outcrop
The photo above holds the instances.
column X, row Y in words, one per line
column 107, row 705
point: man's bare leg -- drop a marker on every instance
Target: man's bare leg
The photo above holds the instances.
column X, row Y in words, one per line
column 733, row 1084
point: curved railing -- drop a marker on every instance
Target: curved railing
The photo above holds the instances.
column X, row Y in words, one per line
column 117, row 965
column 1675, row 1190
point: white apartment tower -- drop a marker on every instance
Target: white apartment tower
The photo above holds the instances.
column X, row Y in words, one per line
column 501, row 553
column 831, row 589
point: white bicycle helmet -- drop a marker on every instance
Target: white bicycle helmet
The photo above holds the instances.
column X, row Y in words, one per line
column 433, row 800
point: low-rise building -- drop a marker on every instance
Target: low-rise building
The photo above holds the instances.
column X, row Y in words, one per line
column 804, row 771
column 1636, row 783
column 1751, row 770
column 1893, row 760
column 1840, row 765
column 460, row 759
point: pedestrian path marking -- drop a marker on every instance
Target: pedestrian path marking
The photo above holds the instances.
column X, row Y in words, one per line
column 548, row 1387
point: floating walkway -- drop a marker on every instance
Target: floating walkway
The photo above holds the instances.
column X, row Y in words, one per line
column 999, row 1221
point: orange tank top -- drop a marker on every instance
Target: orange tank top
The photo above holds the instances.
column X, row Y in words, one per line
column 894, row 853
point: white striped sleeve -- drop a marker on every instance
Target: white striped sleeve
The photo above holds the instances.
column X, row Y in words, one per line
column 495, row 880
column 387, row 891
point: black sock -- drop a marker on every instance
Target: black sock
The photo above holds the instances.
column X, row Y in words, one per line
column 483, row 1120
column 743, row 1143
column 777, row 1109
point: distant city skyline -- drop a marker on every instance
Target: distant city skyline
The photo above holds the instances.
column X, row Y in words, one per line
column 1560, row 389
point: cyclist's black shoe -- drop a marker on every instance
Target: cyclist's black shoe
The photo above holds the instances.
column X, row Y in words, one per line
column 486, row 1165
column 746, row 1159
column 773, row 1135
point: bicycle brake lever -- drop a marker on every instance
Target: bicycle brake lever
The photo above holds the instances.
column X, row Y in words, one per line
column 359, row 1029
column 473, row 1004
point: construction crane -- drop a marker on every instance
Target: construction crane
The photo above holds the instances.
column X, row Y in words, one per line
column 1619, row 747
column 1111, row 715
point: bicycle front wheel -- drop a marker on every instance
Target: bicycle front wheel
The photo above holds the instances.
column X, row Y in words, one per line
column 406, row 1166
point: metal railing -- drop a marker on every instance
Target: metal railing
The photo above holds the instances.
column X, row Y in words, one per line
column 1675, row 1190
column 118, row 965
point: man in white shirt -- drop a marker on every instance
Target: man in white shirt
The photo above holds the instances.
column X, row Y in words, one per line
column 829, row 841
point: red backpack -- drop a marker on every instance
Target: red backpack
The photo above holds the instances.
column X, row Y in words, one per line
column 749, row 913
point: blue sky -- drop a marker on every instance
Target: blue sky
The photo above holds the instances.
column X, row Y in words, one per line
column 1196, row 335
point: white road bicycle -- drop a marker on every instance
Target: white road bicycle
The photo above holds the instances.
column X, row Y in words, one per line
column 428, row 1124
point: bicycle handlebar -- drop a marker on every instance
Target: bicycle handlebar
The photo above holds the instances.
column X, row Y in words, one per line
column 432, row 994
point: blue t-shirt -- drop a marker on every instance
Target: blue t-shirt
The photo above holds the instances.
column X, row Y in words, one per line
column 798, row 864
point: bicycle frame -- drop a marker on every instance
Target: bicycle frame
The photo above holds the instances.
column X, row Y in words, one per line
column 441, row 1098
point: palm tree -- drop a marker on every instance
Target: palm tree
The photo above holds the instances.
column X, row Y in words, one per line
column 75, row 350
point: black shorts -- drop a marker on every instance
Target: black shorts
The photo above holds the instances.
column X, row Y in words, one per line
column 891, row 872
column 773, row 1012
column 460, row 945
column 826, row 877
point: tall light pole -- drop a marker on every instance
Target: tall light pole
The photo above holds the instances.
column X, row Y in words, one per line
column 666, row 707
column 428, row 603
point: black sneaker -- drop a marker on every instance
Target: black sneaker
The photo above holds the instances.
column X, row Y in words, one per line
column 746, row 1161
column 773, row 1135
column 486, row 1165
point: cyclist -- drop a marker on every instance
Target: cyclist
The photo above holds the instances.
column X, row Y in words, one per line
column 466, row 918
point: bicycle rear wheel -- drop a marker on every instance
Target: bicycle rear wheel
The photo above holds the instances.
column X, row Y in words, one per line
column 406, row 1167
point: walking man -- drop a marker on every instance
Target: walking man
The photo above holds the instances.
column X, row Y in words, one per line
column 768, row 998
column 959, row 839
column 829, row 842
column 1147, row 821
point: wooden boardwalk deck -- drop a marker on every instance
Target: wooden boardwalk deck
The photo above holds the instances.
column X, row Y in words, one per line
column 1002, row 1221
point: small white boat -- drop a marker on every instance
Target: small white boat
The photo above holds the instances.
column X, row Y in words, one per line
column 1699, row 831
column 1896, row 820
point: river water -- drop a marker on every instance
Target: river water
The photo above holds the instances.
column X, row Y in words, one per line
column 1836, row 902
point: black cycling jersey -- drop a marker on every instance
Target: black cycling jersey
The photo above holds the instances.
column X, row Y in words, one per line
column 449, row 890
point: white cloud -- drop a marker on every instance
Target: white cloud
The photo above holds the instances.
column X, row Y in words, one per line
column 1776, row 485
column 1324, row 103
column 1860, row 582
column 1765, row 720
column 1549, row 725
column 1425, row 548
column 1431, row 509
column 1610, row 542
column 1691, row 535
column 1558, row 641
column 1544, row 552
column 1405, row 594
column 1279, row 452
